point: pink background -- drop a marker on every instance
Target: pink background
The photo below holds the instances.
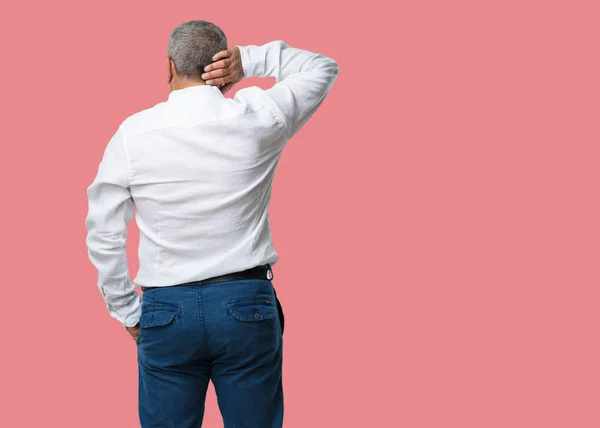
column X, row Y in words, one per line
column 437, row 221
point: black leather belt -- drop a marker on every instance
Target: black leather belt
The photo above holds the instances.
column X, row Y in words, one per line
column 258, row 272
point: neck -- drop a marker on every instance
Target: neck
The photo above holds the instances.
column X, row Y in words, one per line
column 184, row 83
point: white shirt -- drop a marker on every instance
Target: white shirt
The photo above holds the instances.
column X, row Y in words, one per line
column 198, row 168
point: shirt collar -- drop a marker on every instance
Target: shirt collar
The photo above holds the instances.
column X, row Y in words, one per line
column 197, row 90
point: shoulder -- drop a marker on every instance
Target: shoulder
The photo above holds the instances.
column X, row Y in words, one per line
column 143, row 121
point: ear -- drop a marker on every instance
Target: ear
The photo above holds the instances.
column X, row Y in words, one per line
column 170, row 70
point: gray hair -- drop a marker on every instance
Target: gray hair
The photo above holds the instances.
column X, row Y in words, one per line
column 192, row 46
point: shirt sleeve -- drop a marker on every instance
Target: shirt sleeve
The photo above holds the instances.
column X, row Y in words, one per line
column 303, row 79
column 110, row 209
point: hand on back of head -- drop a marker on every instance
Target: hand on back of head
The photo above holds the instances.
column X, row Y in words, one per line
column 225, row 71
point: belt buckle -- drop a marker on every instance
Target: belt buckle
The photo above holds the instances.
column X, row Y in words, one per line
column 269, row 273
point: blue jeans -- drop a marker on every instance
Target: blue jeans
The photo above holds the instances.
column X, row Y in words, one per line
column 228, row 333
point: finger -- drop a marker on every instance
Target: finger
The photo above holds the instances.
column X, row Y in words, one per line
column 222, row 54
column 226, row 87
column 215, row 73
column 218, row 81
column 224, row 63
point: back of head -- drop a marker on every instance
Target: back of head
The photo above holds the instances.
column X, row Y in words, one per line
column 192, row 46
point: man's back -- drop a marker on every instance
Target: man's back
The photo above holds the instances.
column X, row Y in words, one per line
column 201, row 169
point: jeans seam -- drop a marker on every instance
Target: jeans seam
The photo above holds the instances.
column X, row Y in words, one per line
column 201, row 317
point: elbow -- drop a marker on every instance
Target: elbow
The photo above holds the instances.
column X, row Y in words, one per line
column 105, row 242
column 330, row 65
column 333, row 70
column 335, row 67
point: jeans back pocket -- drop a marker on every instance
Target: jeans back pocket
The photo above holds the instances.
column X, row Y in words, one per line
column 256, row 309
column 155, row 317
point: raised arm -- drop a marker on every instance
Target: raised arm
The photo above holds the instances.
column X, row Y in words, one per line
column 303, row 78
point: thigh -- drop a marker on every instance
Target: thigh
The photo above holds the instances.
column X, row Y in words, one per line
column 247, row 365
column 172, row 378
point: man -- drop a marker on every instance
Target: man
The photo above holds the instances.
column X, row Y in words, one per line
column 198, row 168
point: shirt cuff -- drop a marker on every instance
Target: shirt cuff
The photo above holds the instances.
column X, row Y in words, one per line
column 133, row 313
column 131, row 321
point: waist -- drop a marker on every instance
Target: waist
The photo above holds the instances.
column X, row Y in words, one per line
column 258, row 272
